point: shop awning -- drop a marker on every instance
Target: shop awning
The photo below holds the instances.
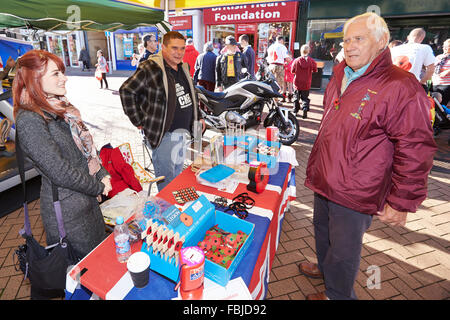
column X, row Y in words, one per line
column 336, row 33
column 94, row 15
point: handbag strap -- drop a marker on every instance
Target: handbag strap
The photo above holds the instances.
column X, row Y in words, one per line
column 21, row 166
column 56, row 203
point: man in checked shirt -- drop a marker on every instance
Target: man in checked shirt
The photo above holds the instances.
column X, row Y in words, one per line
column 159, row 99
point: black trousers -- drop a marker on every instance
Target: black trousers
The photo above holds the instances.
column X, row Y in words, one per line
column 103, row 79
column 338, row 233
column 303, row 96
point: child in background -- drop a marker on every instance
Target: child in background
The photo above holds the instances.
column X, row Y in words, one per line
column 288, row 80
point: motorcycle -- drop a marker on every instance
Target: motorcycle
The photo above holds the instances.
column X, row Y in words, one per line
column 243, row 103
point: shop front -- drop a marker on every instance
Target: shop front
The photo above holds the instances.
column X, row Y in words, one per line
column 66, row 46
column 261, row 22
column 327, row 17
column 125, row 42
column 182, row 24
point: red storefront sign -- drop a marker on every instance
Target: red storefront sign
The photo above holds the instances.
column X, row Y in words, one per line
column 245, row 28
column 252, row 13
column 181, row 22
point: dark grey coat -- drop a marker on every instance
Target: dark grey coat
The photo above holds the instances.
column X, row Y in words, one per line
column 57, row 158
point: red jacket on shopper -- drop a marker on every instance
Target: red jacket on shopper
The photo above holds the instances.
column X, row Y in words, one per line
column 302, row 68
column 190, row 56
column 122, row 174
column 375, row 142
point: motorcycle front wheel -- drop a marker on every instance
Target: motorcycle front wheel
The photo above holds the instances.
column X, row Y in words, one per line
column 289, row 134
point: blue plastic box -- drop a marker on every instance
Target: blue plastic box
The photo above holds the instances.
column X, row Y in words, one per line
column 230, row 224
column 271, row 161
column 202, row 212
column 245, row 142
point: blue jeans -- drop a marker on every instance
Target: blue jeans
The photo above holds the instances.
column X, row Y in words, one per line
column 338, row 233
column 168, row 157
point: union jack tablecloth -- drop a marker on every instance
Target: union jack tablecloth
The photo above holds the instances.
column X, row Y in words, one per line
column 100, row 275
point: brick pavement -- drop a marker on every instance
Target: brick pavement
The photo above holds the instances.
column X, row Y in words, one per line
column 414, row 260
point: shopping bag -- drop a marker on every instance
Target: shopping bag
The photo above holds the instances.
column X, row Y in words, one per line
column 98, row 74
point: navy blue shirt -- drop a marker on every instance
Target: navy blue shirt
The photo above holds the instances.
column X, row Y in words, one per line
column 249, row 54
column 205, row 67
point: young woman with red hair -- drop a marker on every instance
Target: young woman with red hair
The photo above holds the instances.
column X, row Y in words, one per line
column 53, row 136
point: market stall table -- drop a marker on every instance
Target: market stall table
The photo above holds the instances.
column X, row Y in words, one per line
column 100, row 275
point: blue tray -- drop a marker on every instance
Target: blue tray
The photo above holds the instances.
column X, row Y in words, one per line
column 217, row 173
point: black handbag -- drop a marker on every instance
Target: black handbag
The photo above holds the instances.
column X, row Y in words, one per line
column 46, row 267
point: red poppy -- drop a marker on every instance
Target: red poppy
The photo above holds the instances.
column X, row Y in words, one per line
column 178, row 246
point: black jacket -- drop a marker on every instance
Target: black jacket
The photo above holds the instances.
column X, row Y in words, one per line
column 221, row 69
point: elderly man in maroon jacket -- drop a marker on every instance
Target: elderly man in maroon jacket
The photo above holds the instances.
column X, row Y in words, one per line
column 372, row 155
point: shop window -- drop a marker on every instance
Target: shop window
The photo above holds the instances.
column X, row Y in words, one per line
column 73, row 49
column 217, row 35
column 324, row 37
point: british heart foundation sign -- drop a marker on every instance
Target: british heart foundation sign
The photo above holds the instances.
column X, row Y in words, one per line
column 252, row 13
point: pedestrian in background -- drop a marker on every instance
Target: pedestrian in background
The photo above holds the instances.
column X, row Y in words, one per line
column 137, row 57
column 302, row 68
column 288, row 80
column 372, row 155
column 190, row 56
column 102, row 65
column 277, row 54
column 205, row 69
column 413, row 56
column 249, row 54
column 150, row 43
column 441, row 75
column 55, row 138
column 84, row 58
column 229, row 65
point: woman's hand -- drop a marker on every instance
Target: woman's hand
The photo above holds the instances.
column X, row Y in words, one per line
column 107, row 182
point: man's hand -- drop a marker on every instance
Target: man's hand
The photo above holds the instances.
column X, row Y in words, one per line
column 391, row 216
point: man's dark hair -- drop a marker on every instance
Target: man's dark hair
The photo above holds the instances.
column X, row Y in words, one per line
column 280, row 38
column 244, row 37
column 147, row 38
column 172, row 35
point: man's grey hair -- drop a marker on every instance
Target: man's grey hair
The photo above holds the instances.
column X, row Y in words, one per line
column 305, row 49
column 208, row 46
column 189, row 41
column 375, row 23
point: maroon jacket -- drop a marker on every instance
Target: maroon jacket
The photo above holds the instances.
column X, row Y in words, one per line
column 302, row 68
column 375, row 142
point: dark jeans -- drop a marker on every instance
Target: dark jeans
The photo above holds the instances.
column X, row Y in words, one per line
column 338, row 234
column 210, row 86
column 301, row 95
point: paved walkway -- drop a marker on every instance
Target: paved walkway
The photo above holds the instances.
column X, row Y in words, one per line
column 413, row 261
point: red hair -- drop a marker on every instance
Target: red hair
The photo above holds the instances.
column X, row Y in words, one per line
column 29, row 70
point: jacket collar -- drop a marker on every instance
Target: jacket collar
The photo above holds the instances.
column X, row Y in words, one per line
column 378, row 65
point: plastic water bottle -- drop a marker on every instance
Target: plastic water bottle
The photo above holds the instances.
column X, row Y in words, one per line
column 122, row 240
